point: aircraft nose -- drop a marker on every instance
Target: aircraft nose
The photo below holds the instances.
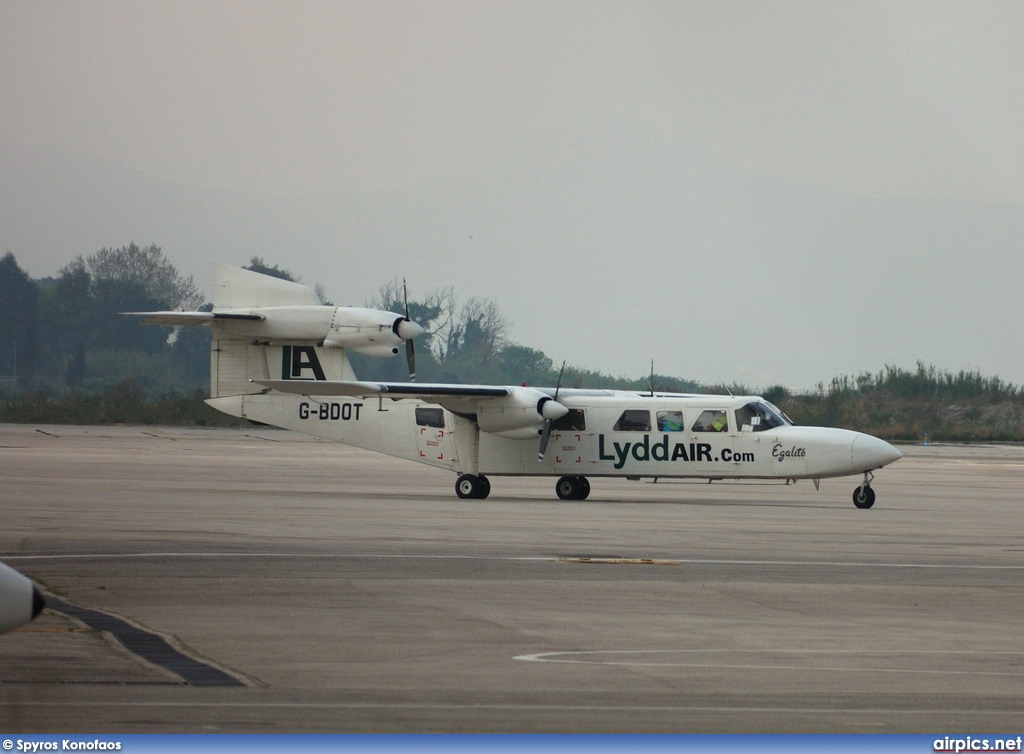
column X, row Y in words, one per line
column 871, row 453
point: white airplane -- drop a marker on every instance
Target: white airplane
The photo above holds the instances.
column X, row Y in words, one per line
column 20, row 601
column 278, row 357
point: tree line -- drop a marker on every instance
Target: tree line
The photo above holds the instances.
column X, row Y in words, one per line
column 64, row 334
column 67, row 356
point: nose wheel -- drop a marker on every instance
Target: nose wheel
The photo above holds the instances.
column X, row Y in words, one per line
column 864, row 496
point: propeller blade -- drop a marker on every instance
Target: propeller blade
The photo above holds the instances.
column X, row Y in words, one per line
column 545, row 434
column 410, row 359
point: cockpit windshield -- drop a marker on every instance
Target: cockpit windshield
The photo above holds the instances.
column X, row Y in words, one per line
column 759, row 416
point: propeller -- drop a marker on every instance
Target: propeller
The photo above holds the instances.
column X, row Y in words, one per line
column 410, row 349
column 406, row 329
column 545, row 434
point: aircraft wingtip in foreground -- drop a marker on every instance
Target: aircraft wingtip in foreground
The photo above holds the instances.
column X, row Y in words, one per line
column 279, row 357
column 20, row 601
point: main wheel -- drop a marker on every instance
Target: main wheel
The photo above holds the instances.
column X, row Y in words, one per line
column 572, row 488
column 565, row 488
column 863, row 497
column 472, row 487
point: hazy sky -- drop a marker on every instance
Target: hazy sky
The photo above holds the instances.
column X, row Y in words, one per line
column 752, row 191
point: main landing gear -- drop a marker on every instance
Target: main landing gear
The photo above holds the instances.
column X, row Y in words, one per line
column 864, row 496
column 478, row 487
column 572, row 488
column 472, row 486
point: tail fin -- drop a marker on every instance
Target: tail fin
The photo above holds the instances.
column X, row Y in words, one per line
column 238, row 353
column 234, row 364
column 237, row 288
column 265, row 328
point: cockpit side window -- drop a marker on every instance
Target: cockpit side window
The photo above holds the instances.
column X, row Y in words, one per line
column 670, row 421
column 633, row 420
column 759, row 416
column 712, row 420
column 574, row 421
column 430, row 417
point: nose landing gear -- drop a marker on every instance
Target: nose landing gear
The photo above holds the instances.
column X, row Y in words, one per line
column 864, row 496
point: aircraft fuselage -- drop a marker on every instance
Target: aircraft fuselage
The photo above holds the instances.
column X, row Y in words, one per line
column 596, row 442
column 278, row 357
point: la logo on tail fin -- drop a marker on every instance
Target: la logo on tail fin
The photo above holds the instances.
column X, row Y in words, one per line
column 301, row 363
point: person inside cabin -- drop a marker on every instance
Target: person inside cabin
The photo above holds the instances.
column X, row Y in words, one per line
column 712, row 420
column 670, row 421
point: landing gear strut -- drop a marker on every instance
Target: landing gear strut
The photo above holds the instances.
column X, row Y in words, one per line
column 472, row 486
column 572, row 488
column 864, row 496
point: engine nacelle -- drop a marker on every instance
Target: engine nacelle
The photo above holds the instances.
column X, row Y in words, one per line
column 359, row 329
column 521, row 415
column 370, row 331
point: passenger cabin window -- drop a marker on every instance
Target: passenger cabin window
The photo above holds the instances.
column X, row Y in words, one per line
column 759, row 416
column 430, row 417
column 574, row 421
column 712, row 420
column 670, row 421
column 633, row 420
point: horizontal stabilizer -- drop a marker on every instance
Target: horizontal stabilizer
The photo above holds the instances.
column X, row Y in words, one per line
column 187, row 319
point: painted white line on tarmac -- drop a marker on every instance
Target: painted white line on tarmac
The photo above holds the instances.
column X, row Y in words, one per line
column 581, row 658
column 504, row 558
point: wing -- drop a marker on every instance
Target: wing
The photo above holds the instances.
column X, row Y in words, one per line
column 514, row 412
column 458, row 398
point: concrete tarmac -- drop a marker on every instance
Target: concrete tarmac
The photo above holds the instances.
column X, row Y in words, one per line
column 327, row 589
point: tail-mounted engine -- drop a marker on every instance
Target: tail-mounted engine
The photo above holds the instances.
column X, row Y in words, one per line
column 370, row 331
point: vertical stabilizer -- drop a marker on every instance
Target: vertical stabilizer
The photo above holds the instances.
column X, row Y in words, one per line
column 235, row 288
column 266, row 328
column 236, row 359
